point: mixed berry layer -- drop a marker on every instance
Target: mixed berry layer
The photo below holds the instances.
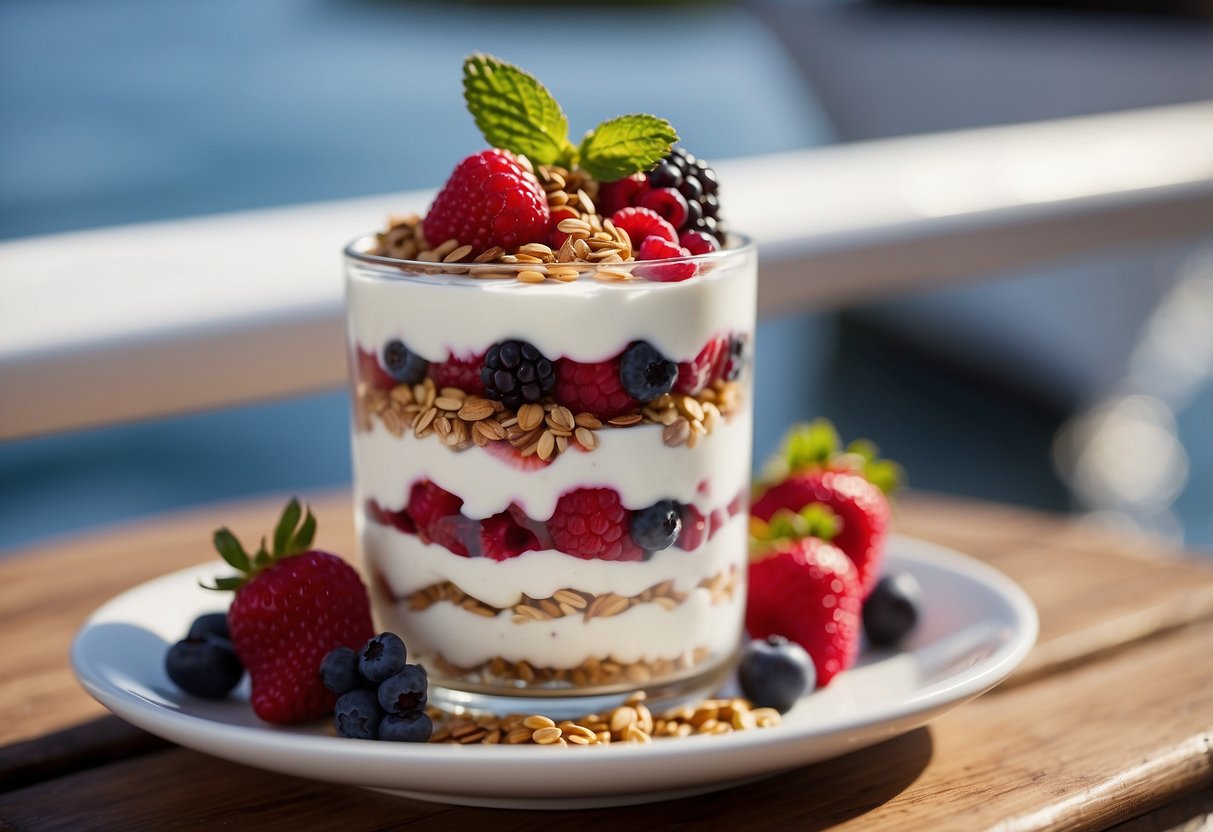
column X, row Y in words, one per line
column 588, row 523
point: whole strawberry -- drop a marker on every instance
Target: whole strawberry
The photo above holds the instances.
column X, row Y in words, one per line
column 490, row 200
column 806, row 590
column 293, row 605
column 852, row 484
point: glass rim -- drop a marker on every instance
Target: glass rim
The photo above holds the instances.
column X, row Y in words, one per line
column 356, row 251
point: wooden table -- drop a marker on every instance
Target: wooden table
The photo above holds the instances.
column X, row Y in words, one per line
column 1108, row 724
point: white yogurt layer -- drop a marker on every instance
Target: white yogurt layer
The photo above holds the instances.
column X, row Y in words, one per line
column 587, row 320
column 634, row 461
column 646, row 632
column 408, row 564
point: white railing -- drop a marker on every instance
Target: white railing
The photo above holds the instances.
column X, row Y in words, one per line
column 138, row 321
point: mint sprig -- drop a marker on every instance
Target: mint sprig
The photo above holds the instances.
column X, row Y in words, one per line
column 624, row 145
column 516, row 112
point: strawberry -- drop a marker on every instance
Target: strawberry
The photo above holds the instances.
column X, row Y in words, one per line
column 429, row 503
column 490, row 200
column 807, row 591
column 852, row 485
column 293, row 605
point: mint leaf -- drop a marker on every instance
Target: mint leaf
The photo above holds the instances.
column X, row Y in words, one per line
column 626, row 144
column 514, row 111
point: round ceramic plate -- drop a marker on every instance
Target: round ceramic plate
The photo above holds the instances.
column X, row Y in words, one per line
column 976, row 627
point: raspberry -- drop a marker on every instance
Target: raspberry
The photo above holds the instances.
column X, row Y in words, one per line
column 620, row 194
column 694, row 529
column 671, row 205
column 695, row 375
column 591, row 523
column 429, row 503
column 399, row 520
column 593, row 388
column 808, row 591
column 490, row 200
column 502, row 538
column 463, row 373
column 643, row 222
column 370, row 372
column 658, row 248
column 698, row 242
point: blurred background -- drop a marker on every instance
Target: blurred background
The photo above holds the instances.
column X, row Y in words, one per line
column 1083, row 387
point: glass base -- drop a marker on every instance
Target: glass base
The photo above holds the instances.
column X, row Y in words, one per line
column 565, row 704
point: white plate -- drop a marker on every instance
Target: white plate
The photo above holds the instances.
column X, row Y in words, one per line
column 977, row 626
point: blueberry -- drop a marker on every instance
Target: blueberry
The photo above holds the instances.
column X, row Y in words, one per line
column 775, row 672
column 414, row 727
column 357, row 715
column 214, row 623
column 339, row 671
column 404, row 366
column 383, row 656
column 891, row 611
column 404, row 692
column 658, row 526
column 204, row 666
column 646, row 373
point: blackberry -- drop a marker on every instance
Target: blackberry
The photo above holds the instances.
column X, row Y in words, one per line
column 515, row 373
column 403, row 365
column 695, row 180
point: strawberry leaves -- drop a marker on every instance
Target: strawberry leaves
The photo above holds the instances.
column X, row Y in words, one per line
column 817, row 446
column 516, row 112
column 291, row 537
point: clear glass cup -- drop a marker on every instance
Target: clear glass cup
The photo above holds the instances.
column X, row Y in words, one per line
column 499, row 541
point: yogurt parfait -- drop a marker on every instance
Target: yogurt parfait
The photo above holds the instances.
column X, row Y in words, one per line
column 551, row 385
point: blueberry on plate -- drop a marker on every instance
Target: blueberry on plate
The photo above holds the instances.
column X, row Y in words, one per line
column 357, row 715
column 383, row 656
column 657, row 527
column 645, row 373
column 339, row 671
column 214, row 623
column 774, row 673
column 404, row 692
column 204, row 666
column 412, row 727
column 891, row 610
